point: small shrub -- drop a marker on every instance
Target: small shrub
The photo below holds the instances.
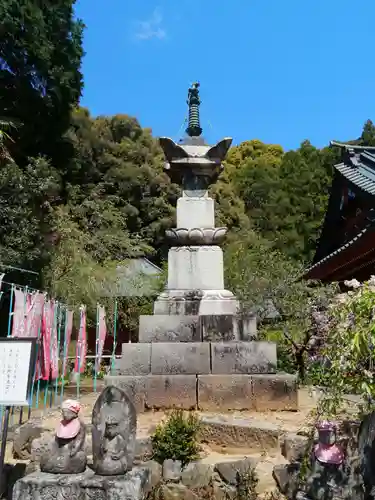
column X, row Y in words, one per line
column 177, row 438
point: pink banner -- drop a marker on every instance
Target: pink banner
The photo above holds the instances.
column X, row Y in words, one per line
column 19, row 310
column 34, row 313
column 27, row 314
column 68, row 336
column 47, row 324
column 54, row 340
column 81, row 349
column 102, row 333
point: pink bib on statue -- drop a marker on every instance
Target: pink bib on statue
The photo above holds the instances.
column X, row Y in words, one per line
column 329, row 453
column 68, row 429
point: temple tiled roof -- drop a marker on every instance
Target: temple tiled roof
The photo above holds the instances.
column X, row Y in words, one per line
column 358, row 165
column 344, row 247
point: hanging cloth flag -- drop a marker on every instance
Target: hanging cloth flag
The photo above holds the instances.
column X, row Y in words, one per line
column 68, row 336
column 102, row 333
column 54, row 341
column 81, row 349
column 46, row 333
column 34, row 313
column 19, row 310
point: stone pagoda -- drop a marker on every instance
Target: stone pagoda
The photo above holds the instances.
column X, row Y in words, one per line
column 196, row 350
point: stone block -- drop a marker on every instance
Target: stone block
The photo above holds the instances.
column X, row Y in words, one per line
column 247, row 325
column 131, row 486
column 135, row 360
column 225, row 392
column 234, row 432
column 275, row 392
column 195, row 212
column 195, row 268
column 180, row 358
column 243, row 357
column 193, row 303
column 228, row 470
column 166, row 328
column 197, row 475
column 294, row 447
column 134, row 387
column 215, row 328
column 23, row 437
column 172, row 470
column 176, row 491
column 168, row 391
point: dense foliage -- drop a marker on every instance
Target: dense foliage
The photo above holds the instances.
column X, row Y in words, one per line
column 347, row 358
column 177, row 438
column 80, row 195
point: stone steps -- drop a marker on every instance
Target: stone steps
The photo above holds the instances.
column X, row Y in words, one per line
column 210, row 392
column 194, row 328
column 196, row 358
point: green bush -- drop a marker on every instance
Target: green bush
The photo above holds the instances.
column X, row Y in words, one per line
column 177, row 438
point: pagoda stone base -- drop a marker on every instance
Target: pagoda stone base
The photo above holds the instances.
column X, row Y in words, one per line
column 204, row 375
column 210, row 392
column 196, row 328
column 196, row 302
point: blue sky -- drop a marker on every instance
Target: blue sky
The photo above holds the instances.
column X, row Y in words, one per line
column 277, row 70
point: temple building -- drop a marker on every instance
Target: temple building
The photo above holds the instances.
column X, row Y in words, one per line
column 346, row 248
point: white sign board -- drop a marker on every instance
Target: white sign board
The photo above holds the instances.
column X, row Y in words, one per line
column 17, row 364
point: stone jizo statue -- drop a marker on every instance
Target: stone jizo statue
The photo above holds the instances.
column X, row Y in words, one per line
column 66, row 453
column 114, row 425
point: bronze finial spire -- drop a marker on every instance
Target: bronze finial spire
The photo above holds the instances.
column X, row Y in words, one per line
column 194, row 129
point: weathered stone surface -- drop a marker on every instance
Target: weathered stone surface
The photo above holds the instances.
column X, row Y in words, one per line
column 172, row 470
column 275, row 392
column 294, row 446
column 175, row 491
column 180, row 358
column 168, row 391
column 135, row 360
column 41, row 486
column 65, row 453
column 197, row 475
column 189, row 302
column 195, row 212
column 134, row 387
column 23, row 437
column 223, row 491
column 169, row 328
column 286, row 477
column 228, row 470
column 41, row 445
column 239, row 433
column 247, row 327
column 156, row 472
column 243, row 357
column 114, row 427
column 225, row 392
column 216, row 328
column 195, row 268
column 143, row 448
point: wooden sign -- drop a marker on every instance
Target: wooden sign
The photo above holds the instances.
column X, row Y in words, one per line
column 17, row 366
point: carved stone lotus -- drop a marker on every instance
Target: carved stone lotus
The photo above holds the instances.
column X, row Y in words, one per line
column 196, row 236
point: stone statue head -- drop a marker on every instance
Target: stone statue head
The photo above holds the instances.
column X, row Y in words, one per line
column 326, row 432
column 70, row 425
column 70, row 409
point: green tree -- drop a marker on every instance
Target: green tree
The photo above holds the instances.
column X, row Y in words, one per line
column 267, row 282
column 40, row 78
